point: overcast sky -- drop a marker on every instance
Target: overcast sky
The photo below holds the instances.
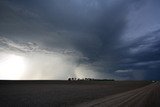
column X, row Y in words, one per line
column 117, row 39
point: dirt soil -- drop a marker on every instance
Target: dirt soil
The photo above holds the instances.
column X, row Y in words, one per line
column 148, row 96
column 67, row 93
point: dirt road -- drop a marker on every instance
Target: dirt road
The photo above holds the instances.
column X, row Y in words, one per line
column 148, row 96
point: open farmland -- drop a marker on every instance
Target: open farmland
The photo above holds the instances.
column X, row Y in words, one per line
column 60, row 93
column 148, row 96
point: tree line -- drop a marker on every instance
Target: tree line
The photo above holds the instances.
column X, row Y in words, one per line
column 89, row 79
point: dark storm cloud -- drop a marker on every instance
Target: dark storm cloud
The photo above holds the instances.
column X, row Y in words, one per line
column 147, row 48
column 92, row 27
column 143, row 55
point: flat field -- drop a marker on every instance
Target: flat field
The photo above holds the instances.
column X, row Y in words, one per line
column 60, row 93
column 148, row 96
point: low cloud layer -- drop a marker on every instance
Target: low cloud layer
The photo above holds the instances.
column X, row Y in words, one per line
column 43, row 64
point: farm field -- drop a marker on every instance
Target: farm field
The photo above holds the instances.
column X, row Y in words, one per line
column 147, row 96
column 60, row 93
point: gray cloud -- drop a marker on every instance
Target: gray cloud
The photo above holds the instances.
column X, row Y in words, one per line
column 42, row 63
column 101, row 36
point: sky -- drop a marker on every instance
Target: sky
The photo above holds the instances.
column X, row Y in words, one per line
column 58, row 39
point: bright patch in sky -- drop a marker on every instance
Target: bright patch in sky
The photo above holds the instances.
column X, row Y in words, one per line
column 12, row 67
